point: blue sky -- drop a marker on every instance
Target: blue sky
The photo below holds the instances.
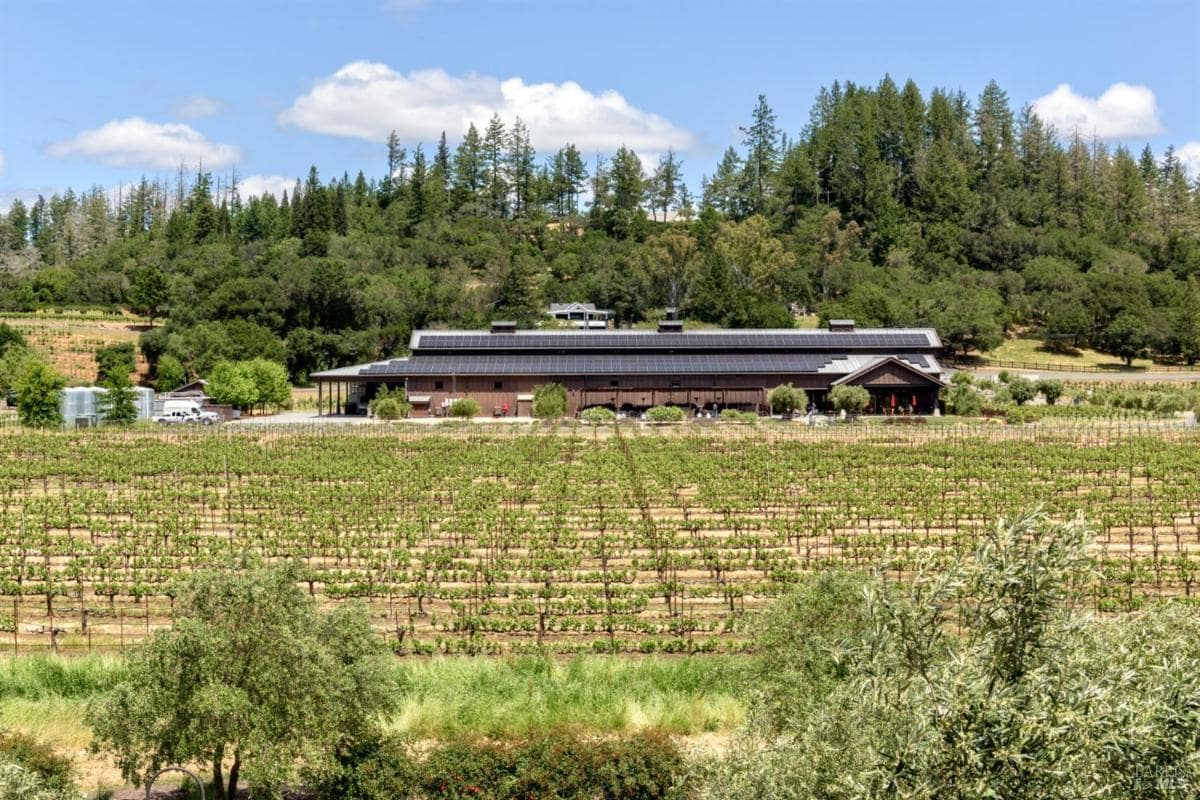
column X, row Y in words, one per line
column 103, row 92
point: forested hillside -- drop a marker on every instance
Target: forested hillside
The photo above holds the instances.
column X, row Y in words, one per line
column 891, row 207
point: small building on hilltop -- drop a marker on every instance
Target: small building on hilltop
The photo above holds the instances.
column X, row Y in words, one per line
column 580, row 315
column 632, row 370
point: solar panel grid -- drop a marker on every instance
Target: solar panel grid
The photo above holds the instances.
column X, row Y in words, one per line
column 542, row 342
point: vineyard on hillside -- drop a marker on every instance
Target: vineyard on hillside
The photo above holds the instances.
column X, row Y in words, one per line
column 476, row 540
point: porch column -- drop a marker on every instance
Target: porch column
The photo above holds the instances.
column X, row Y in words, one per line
column 320, row 385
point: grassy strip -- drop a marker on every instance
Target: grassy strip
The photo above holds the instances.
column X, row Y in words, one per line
column 448, row 697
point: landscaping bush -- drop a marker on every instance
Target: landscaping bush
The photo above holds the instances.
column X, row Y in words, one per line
column 785, row 399
column 390, row 404
column 464, row 407
column 851, row 399
column 665, row 414
column 550, row 401
column 598, row 415
column 733, row 415
column 552, row 764
column 962, row 400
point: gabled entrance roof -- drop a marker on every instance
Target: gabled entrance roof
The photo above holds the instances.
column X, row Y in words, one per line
column 855, row 378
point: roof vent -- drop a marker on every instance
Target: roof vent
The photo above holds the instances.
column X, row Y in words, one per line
column 499, row 326
column 670, row 326
column 841, row 325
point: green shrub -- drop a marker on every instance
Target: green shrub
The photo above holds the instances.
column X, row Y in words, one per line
column 851, row 399
column 733, row 415
column 785, row 399
column 169, row 374
column 548, row 765
column 465, row 407
column 1020, row 415
column 962, row 400
column 665, row 414
column 117, row 358
column 550, row 401
column 55, row 772
column 597, row 415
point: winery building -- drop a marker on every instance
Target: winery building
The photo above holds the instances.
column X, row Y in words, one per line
column 633, row 370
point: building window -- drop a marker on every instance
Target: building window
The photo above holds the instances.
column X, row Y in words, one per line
column 438, row 385
column 614, row 384
column 674, row 384
column 498, row 385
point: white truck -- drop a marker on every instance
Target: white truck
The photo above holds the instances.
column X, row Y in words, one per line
column 184, row 411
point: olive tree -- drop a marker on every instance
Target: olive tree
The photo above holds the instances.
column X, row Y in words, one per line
column 975, row 680
column 785, row 398
column 851, row 399
column 1022, row 390
column 252, row 682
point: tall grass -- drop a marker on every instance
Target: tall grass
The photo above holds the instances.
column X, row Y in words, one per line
column 36, row 677
column 450, row 697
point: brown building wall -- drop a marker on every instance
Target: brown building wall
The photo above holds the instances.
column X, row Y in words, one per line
column 495, row 394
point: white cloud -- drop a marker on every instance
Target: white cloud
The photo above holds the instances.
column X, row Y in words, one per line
column 3, row 162
column 1189, row 156
column 258, row 185
column 134, row 142
column 365, row 100
column 198, row 106
column 1122, row 112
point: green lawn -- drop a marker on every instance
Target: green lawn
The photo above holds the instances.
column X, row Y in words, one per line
column 1024, row 349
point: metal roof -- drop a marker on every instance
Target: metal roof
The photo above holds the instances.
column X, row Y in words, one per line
column 635, row 364
column 717, row 339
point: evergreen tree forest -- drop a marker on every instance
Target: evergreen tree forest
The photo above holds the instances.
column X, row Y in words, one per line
column 892, row 206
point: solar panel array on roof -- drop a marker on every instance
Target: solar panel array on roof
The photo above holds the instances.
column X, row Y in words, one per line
column 650, row 364
column 674, row 341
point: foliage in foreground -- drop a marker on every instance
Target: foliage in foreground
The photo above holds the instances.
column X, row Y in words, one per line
column 31, row 770
column 252, row 675
column 1032, row 700
column 562, row 764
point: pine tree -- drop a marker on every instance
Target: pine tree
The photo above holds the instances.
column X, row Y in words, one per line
column 519, row 161
column 722, row 190
column 664, row 183
column 628, row 180
column 17, row 223
column 495, row 177
column 468, row 171
column 762, row 156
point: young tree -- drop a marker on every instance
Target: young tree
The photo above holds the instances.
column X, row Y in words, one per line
column 118, row 404
column 1051, row 389
column 550, row 401
column 38, row 389
column 231, row 383
column 252, row 677
column 271, row 385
